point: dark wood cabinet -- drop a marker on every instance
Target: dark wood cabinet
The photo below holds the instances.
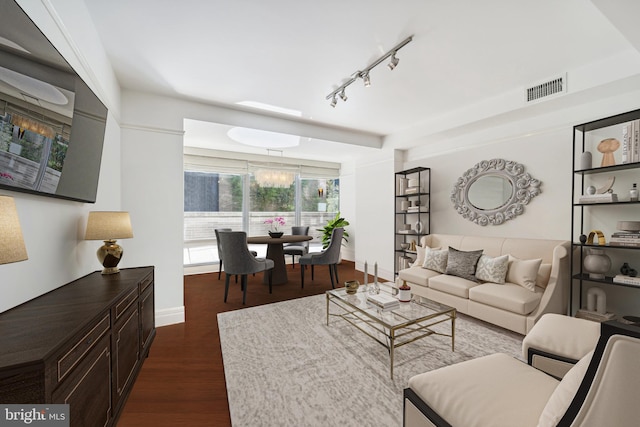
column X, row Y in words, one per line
column 82, row 344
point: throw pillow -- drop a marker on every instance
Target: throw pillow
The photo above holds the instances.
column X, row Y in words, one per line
column 523, row 272
column 492, row 269
column 436, row 260
column 544, row 274
column 420, row 251
column 562, row 396
column 463, row 263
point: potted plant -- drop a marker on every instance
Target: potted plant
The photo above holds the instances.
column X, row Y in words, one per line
column 336, row 222
column 274, row 226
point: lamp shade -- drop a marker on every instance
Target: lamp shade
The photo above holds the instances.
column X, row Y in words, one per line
column 108, row 226
column 12, row 247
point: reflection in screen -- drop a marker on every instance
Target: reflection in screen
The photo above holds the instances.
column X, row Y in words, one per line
column 33, row 146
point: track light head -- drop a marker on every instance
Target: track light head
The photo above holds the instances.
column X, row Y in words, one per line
column 366, row 79
column 394, row 62
column 343, row 95
column 334, row 101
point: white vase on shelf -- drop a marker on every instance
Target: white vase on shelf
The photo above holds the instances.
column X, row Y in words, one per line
column 597, row 263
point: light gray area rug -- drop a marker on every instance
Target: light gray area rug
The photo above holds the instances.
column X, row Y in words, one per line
column 285, row 367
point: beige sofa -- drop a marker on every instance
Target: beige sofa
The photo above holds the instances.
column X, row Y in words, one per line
column 508, row 305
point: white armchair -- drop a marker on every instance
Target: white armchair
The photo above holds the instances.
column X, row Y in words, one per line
column 498, row 390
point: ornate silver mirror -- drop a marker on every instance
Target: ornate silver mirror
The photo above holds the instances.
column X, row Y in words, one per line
column 494, row 191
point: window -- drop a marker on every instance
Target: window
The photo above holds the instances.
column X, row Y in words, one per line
column 215, row 196
column 320, row 201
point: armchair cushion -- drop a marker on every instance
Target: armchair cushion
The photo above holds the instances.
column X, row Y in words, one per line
column 564, row 393
column 563, row 336
column 459, row 393
column 463, row 263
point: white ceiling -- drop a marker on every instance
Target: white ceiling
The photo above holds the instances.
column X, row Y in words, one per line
column 292, row 53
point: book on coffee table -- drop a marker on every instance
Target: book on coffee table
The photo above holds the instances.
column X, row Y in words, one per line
column 383, row 300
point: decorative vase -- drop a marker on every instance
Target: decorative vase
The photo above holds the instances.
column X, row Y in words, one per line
column 597, row 263
column 276, row 234
column 404, row 295
column 352, row 286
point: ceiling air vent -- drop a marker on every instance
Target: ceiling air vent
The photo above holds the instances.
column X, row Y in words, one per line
column 547, row 88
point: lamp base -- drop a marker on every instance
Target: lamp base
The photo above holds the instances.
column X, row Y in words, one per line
column 109, row 256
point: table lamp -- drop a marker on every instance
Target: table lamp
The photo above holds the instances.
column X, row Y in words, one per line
column 109, row 226
column 12, row 248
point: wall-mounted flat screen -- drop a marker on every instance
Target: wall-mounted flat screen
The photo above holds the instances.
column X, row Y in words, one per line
column 51, row 124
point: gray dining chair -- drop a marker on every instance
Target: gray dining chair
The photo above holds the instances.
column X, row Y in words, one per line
column 329, row 256
column 301, row 248
column 240, row 261
column 217, row 230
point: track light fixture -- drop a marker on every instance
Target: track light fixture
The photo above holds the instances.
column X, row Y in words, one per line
column 364, row 74
column 394, row 61
column 366, row 79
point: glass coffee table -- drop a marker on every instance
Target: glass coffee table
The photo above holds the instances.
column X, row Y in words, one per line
column 408, row 322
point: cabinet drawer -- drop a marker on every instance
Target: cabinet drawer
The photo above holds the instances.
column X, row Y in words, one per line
column 87, row 389
column 147, row 318
column 69, row 359
column 125, row 302
column 144, row 283
column 126, row 353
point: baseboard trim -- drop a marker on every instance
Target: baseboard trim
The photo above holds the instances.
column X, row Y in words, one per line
column 170, row 316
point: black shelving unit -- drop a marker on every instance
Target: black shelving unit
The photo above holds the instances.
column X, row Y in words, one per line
column 579, row 211
column 417, row 215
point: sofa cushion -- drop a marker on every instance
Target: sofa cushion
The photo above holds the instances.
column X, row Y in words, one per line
column 509, row 297
column 436, row 260
column 544, row 274
column 417, row 275
column 562, row 396
column 452, row 285
column 463, row 263
column 492, row 269
column 524, row 272
column 495, row 390
column 420, row 250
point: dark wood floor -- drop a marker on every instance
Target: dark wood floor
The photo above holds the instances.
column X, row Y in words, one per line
column 182, row 381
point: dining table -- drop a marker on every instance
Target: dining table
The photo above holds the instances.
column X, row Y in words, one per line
column 275, row 252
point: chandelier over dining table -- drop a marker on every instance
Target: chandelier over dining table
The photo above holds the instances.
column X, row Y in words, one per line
column 274, row 178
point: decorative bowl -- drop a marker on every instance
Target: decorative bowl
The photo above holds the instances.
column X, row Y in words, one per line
column 404, row 245
column 276, row 234
column 352, row 286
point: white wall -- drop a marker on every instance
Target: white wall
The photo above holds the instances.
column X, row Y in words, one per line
column 53, row 229
column 374, row 215
column 152, row 191
column 543, row 145
column 348, row 208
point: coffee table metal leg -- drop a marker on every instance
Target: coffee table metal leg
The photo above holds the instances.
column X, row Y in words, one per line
column 392, row 338
column 327, row 304
column 453, row 331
